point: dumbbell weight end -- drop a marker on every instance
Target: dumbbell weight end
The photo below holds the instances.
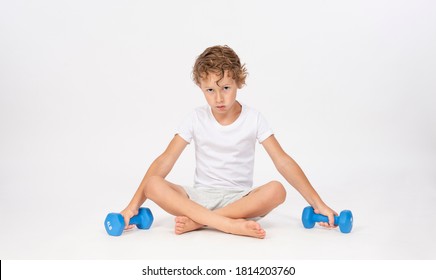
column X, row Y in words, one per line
column 143, row 220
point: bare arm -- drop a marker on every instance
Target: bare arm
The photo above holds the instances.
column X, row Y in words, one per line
column 295, row 176
column 161, row 166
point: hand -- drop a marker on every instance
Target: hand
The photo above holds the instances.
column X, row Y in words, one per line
column 323, row 209
column 127, row 215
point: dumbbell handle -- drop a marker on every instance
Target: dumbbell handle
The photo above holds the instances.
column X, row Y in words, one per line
column 322, row 218
column 135, row 220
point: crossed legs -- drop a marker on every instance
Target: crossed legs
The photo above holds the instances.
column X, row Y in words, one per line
column 230, row 219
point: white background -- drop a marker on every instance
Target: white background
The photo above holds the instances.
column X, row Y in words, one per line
column 92, row 91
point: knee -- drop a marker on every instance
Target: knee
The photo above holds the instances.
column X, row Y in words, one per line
column 151, row 185
column 278, row 192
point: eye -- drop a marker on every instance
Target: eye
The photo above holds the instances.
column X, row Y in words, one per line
column 226, row 88
column 209, row 90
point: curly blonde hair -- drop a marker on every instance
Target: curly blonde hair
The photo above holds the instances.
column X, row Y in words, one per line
column 217, row 60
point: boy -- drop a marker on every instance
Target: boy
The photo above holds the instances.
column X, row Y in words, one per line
column 224, row 132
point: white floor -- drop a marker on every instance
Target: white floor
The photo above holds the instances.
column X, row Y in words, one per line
column 393, row 213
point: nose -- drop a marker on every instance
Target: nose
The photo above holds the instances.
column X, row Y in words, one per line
column 219, row 97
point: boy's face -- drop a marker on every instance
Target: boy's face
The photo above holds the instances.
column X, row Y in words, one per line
column 221, row 97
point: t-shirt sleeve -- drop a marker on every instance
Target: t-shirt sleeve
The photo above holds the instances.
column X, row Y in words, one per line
column 263, row 129
column 186, row 128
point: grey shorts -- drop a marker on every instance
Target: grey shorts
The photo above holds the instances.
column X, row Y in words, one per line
column 215, row 198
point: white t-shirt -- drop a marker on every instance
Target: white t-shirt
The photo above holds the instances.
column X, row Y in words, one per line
column 224, row 154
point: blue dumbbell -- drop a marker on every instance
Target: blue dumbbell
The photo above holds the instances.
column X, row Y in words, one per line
column 114, row 223
column 344, row 220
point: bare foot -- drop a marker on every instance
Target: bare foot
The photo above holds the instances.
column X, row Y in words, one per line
column 185, row 224
column 236, row 226
column 247, row 228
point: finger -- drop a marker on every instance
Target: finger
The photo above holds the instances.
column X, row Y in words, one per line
column 126, row 223
column 129, row 227
column 325, row 225
column 331, row 220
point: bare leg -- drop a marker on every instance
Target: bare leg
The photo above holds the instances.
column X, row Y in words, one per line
column 174, row 200
column 257, row 203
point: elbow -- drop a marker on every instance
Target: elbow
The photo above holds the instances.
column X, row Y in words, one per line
column 163, row 165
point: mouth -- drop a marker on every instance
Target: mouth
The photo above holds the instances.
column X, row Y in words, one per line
column 221, row 107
